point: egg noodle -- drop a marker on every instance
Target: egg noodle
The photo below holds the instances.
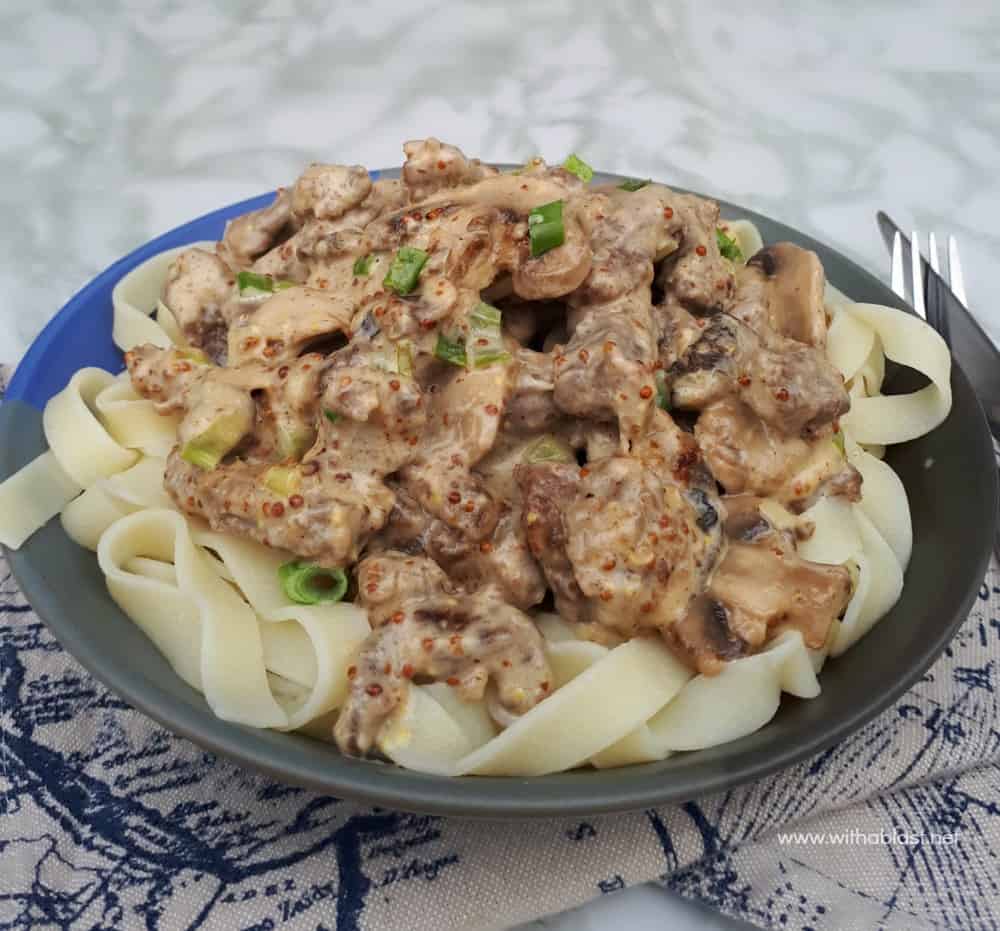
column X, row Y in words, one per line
column 213, row 605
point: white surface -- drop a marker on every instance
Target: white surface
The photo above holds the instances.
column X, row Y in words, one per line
column 119, row 124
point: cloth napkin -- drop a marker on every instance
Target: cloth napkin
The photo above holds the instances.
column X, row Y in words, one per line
column 109, row 821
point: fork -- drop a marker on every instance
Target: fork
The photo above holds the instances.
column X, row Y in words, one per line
column 937, row 317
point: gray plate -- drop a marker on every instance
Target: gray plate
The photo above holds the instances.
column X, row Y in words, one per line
column 953, row 505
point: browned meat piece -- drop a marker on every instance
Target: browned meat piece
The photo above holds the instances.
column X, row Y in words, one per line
column 325, row 192
column 463, row 421
column 679, row 331
column 711, row 366
column 606, row 371
column 504, row 560
column 327, row 518
column 641, row 547
column 532, row 407
column 254, row 233
column 310, row 254
column 746, row 456
column 198, row 289
column 697, row 275
column 781, row 289
column 625, row 542
column 630, row 231
column 547, row 490
column 426, row 625
column 791, row 386
column 432, row 165
column 313, row 245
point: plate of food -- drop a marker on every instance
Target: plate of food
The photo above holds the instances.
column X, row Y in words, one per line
column 496, row 490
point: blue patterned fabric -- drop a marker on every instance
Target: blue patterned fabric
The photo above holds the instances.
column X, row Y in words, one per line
column 108, row 821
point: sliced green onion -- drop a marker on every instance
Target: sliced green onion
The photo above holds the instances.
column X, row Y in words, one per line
column 252, row 285
column 207, row 449
column 248, row 280
column 484, row 345
column 545, row 227
column 577, row 166
column 448, row 350
column 307, row 584
column 190, row 354
column 662, row 392
column 548, row 449
column 838, row 441
column 405, row 270
column 633, row 184
column 362, row 264
column 332, row 416
column 294, row 441
column 404, row 357
column 205, row 457
column 283, row 480
column 729, row 247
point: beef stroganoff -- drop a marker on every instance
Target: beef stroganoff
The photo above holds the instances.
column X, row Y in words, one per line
column 491, row 472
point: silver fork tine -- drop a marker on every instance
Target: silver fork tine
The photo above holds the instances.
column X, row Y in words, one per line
column 955, row 279
column 918, row 276
column 898, row 280
column 932, row 253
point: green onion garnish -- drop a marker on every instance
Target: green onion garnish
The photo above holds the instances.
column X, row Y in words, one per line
column 253, row 285
column 548, row 449
column 405, row 270
column 449, row 350
column 484, row 345
column 362, row 264
column 208, row 448
column 332, row 416
column 283, row 480
column 728, row 246
column 404, row 357
column 309, row 585
column 838, row 441
column 545, row 227
column 190, row 354
column 633, row 184
column 577, row 166
column 662, row 392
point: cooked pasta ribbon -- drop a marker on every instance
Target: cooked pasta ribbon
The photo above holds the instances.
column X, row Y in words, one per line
column 908, row 340
column 223, row 640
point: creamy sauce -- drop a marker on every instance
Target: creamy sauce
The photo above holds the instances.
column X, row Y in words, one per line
column 320, row 420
